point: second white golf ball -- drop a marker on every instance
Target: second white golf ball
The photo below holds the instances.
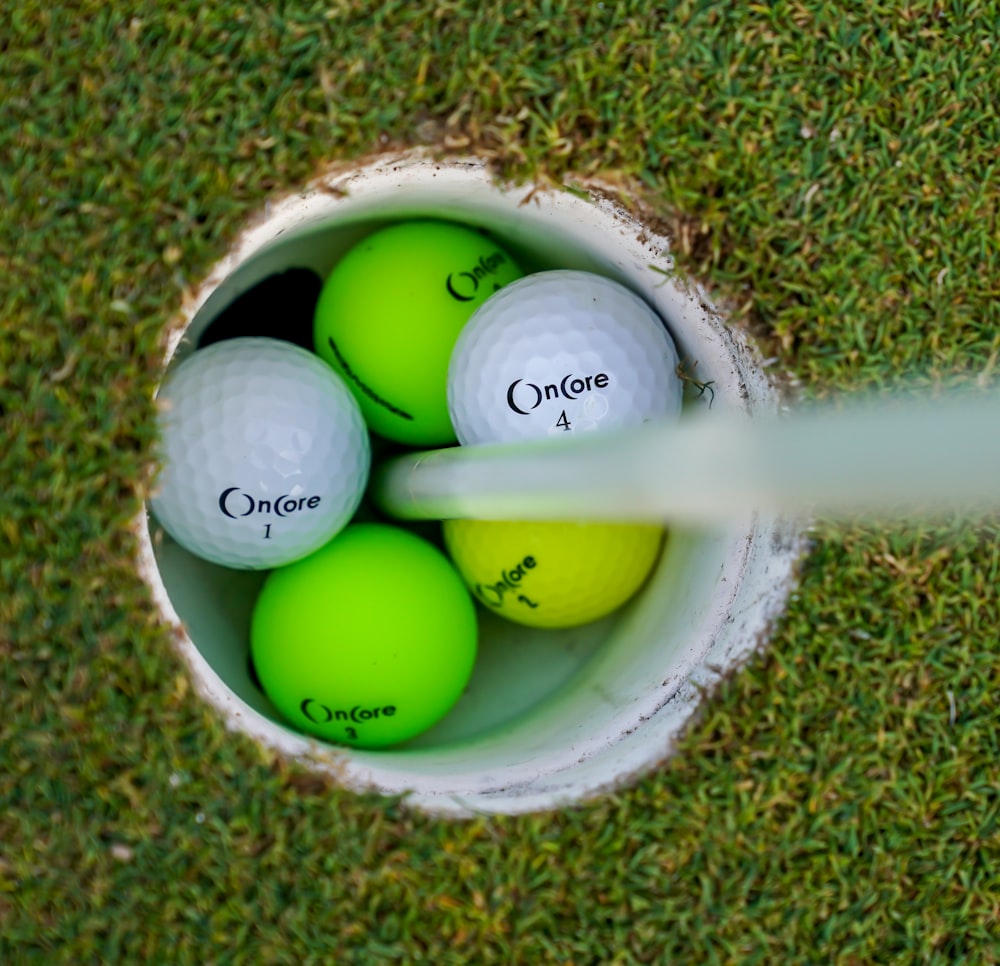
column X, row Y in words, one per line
column 559, row 352
column 265, row 453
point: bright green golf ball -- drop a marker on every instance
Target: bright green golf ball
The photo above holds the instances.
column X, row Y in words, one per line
column 552, row 574
column 390, row 313
column 367, row 642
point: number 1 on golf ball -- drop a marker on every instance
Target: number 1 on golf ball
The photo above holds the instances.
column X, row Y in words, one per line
column 265, row 453
column 558, row 352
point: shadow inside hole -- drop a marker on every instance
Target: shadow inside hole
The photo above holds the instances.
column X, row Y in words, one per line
column 252, row 671
column 280, row 306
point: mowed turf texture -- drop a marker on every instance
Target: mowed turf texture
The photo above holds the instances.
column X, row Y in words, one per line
column 830, row 171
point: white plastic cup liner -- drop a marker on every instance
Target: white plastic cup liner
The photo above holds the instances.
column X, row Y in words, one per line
column 549, row 718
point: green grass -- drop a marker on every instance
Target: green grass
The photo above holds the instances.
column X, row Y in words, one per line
column 834, row 168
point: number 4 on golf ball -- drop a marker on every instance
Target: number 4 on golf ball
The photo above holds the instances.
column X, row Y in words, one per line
column 559, row 352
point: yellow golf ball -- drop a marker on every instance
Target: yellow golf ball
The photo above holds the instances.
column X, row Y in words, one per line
column 552, row 574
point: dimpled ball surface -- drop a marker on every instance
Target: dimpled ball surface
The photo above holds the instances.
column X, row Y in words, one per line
column 264, row 453
column 560, row 352
column 389, row 314
column 367, row 642
column 558, row 574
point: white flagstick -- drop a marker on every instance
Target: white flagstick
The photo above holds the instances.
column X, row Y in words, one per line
column 879, row 458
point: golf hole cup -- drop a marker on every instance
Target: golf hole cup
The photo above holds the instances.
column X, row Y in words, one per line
column 549, row 716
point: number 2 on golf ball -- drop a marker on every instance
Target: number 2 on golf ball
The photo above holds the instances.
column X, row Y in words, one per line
column 552, row 574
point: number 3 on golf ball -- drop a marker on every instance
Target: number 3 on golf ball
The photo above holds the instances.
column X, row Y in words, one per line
column 367, row 642
column 552, row 574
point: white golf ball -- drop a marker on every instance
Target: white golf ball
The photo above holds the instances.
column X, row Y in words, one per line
column 560, row 352
column 265, row 454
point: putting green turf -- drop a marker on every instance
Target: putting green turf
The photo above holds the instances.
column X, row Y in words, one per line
column 828, row 169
